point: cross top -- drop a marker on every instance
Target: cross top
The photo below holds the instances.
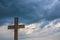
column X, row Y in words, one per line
column 16, row 27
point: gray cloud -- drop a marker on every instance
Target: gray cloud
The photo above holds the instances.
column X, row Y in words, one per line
column 30, row 11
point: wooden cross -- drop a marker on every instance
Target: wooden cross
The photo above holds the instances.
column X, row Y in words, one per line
column 16, row 27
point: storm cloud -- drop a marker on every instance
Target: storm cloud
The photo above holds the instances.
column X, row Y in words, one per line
column 29, row 11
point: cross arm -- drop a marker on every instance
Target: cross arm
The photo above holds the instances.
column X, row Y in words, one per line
column 21, row 26
column 11, row 27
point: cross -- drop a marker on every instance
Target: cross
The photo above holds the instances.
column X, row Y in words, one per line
column 16, row 27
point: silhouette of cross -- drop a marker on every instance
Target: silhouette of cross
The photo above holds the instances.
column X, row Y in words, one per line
column 16, row 27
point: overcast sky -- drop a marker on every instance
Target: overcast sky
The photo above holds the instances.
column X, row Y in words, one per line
column 41, row 19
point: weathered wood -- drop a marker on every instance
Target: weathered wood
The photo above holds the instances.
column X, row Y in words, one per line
column 21, row 26
column 11, row 27
column 16, row 27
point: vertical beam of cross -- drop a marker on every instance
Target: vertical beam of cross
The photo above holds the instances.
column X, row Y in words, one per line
column 16, row 27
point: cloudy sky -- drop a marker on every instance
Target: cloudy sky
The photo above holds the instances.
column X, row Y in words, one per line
column 41, row 19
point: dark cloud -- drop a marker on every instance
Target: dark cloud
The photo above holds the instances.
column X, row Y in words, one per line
column 29, row 11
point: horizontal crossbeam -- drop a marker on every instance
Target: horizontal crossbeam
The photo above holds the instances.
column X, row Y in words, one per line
column 21, row 26
column 13, row 27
